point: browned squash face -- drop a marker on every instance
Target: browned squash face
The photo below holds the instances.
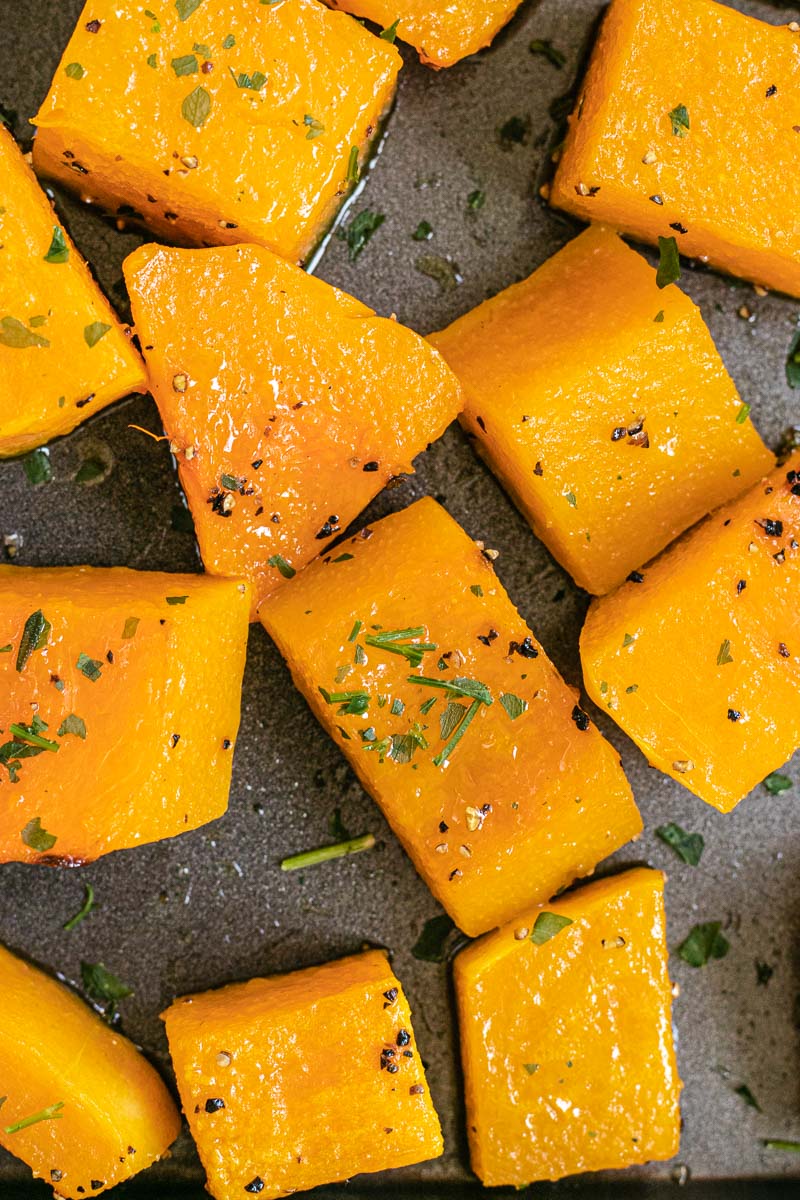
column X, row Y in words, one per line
column 63, row 353
column 230, row 121
column 602, row 404
column 119, row 702
column 685, row 137
column 302, row 1079
column 81, row 1106
column 443, row 31
column 415, row 660
column 699, row 663
column 566, row 1036
column 290, row 404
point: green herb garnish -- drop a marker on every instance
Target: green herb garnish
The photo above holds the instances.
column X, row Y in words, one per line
column 74, row 725
column 311, row 858
column 185, row 65
column 397, row 641
column 173, row 600
column 52, row 1113
column 315, row 127
column 83, row 911
column 103, row 987
column 187, row 7
column 390, row 32
column 513, row 705
column 704, row 943
column 94, row 332
column 285, row 568
column 59, row 250
column 547, row 925
column 353, row 703
column 37, row 838
column 353, row 171
column 679, row 119
column 17, row 336
column 669, row 265
column 196, row 107
column 35, row 633
column 360, row 230
column 130, row 627
column 36, row 466
column 547, row 50
column 777, row 783
column 423, row 232
column 90, row 667
column 74, row 71
column 688, row 846
column 744, row 1091
column 724, row 655
column 743, row 414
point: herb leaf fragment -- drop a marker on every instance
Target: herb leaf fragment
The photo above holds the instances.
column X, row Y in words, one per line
column 704, row 943
column 547, row 925
column 669, row 265
column 59, row 250
column 688, row 846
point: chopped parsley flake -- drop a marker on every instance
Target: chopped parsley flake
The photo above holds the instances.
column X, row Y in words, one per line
column 37, row 838
column 688, row 846
column 547, row 925
column 59, row 250
column 679, row 119
column 285, row 568
column 704, row 943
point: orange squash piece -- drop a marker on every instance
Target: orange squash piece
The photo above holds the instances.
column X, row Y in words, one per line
column 601, row 403
column 684, row 125
column 216, row 121
column 119, row 706
column 302, row 1079
column 566, row 1037
column 63, row 353
column 700, row 663
column 289, row 404
column 81, row 1106
column 412, row 656
column 443, row 32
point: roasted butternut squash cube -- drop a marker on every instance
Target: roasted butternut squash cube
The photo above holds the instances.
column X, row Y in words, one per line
column 289, row 404
column 443, row 32
column 700, row 662
column 302, row 1079
column 566, row 1037
column 669, row 138
column 603, row 406
column 119, row 706
column 214, row 121
column 63, row 353
column 411, row 654
column 81, row 1106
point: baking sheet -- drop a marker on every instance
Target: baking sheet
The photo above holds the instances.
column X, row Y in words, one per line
column 213, row 906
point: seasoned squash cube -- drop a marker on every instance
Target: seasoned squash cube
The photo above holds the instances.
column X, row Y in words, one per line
column 81, row 1106
column 119, row 702
column 700, row 662
column 566, row 1038
column 302, row 1079
column 685, row 122
column 603, row 406
column 442, row 31
column 289, row 403
column 410, row 653
column 216, row 122
column 63, row 354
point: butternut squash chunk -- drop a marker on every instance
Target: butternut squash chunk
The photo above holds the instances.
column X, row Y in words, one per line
column 566, row 1037
column 63, row 353
column 412, row 656
column 216, row 121
column 302, row 1079
column 700, row 662
column 81, row 1106
column 119, row 706
column 289, row 404
column 603, row 406
column 442, row 31
column 685, row 123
